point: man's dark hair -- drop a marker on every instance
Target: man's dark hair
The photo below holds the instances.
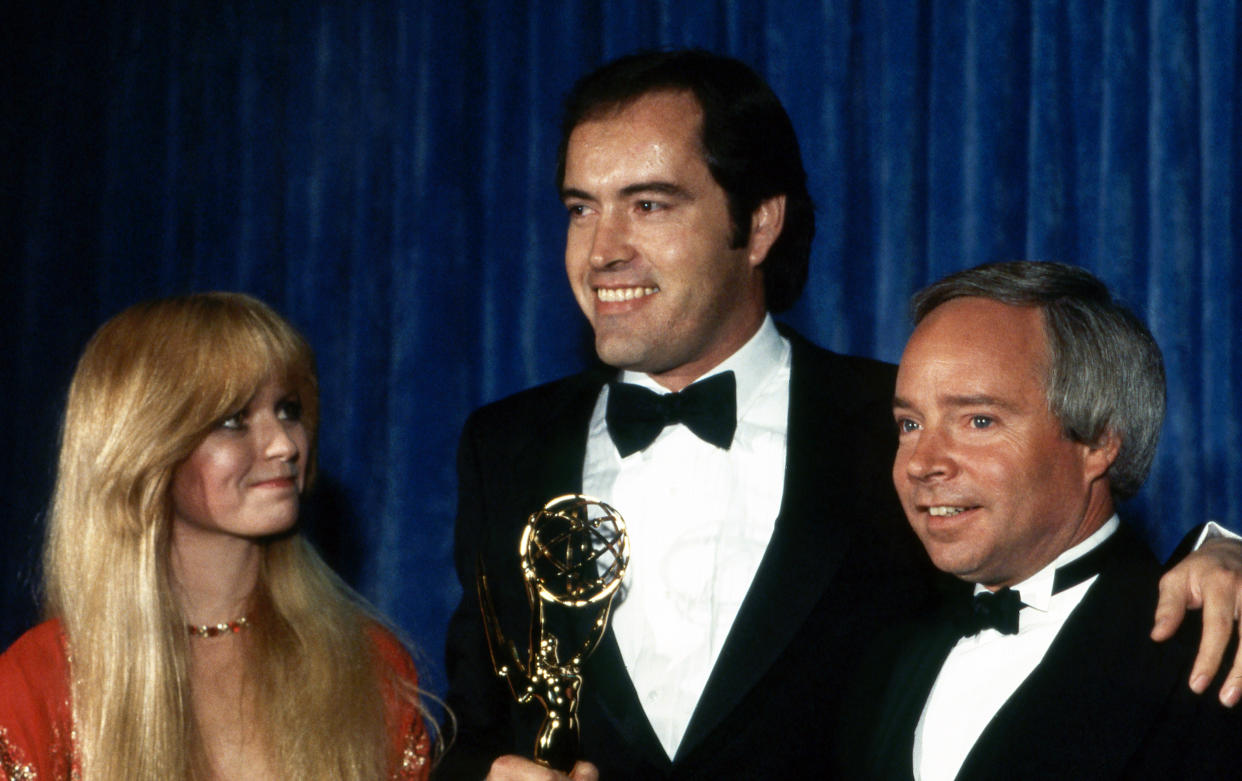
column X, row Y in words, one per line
column 749, row 145
column 1105, row 372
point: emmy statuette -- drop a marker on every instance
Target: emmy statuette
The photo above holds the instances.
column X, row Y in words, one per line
column 573, row 554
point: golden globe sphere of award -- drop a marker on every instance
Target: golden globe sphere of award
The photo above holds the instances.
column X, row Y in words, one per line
column 573, row 554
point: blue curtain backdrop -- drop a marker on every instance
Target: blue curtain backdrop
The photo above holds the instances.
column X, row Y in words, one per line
column 381, row 172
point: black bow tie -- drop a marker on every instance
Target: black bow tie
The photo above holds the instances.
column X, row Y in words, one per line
column 992, row 610
column 636, row 415
column 999, row 610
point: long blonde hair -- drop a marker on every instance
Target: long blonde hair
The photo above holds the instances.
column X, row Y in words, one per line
column 150, row 384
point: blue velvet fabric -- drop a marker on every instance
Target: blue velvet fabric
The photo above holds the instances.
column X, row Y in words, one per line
column 382, row 173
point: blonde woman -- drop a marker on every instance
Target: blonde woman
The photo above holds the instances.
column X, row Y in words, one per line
column 192, row 633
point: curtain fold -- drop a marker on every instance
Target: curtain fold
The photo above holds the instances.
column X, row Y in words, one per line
column 383, row 175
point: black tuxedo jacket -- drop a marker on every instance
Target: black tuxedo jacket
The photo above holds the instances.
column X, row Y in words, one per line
column 841, row 562
column 1105, row 703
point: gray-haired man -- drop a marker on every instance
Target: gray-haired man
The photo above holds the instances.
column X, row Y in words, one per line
column 1028, row 403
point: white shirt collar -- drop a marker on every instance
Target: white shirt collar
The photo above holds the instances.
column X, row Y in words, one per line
column 1036, row 591
column 700, row 519
column 752, row 365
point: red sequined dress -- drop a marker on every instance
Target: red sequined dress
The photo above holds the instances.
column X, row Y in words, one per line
column 36, row 722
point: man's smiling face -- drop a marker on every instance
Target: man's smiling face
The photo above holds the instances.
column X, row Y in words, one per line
column 649, row 249
column 988, row 480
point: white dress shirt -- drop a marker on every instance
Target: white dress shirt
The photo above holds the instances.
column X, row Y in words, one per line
column 984, row 670
column 699, row 520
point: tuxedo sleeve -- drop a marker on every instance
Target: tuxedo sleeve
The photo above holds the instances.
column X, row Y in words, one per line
column 1197, row 536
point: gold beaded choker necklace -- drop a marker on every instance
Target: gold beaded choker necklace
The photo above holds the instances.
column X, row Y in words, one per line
column 215, row 630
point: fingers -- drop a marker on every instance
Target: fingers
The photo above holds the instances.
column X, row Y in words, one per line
column 1217, row 631
column 1175, row 598
column 1231, row 691
column 1222, row 604
column 584, row 771
column 1211, row 579
column 515, row 768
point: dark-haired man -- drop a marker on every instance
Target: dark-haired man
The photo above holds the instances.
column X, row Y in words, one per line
column 765, row 543
column 1028, row 404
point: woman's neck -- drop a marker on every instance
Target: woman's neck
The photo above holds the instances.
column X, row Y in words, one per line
column 214, row 575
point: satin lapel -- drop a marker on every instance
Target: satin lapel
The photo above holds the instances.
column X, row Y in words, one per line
column 556, row 446
column 804, row 553
column 614, row 693
column 1098, row 688
column 889, row 749
column 555, row 453
column 544, row 461
column 551, row 463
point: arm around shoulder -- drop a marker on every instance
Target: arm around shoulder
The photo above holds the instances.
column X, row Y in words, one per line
column 1208, row 578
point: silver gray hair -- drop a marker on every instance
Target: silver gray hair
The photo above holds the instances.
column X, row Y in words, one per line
column 1105, row 370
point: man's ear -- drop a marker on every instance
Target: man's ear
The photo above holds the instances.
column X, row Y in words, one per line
column 1101, row 454
column 766, row 223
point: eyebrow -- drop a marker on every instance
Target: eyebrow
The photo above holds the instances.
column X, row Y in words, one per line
column 570, row 192
column 657, row 187
column 662, row 188
column 978, row 400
